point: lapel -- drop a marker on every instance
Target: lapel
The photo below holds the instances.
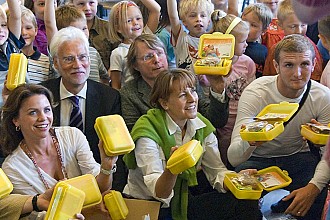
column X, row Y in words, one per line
column 93, row 103
column 144, row 90
column 57, row 102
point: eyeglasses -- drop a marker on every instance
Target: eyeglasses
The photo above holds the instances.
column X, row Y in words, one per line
column 150, row 56
column 70, row 59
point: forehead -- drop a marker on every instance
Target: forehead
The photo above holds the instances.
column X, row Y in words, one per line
column 83, row 1
column 133, row 10
column 34, row 101
column 78, row 23
column 72, row 47
column 295, row 57
column 251, row 16
column 291, row 19
column 143, row 48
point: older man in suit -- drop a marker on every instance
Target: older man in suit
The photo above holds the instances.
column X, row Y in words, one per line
column 69, row 52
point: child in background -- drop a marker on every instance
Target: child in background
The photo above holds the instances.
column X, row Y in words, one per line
column 230, row 7
column 195, row 16
column 38, row 63
column 37, row 7
column 11, row 40
column 289, row 22
column 126, row 23
column 99, row 36
column 68, row 15
column 242, row 73
column 324, row 35
column 259, row 16
column 274, row 32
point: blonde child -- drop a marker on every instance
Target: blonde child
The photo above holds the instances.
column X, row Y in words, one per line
column 98, row 29
column 68, row 15
column 38, row 7
column 126, row 23
column 242, row 72
column 196, row 17
column 324, row 35
column 290, row 24
column 259, row 17
column 274, row 32
column 38, row 63
column 11, row 40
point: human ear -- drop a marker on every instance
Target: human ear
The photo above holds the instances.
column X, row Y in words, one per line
column 15, row 122
column 163, row 103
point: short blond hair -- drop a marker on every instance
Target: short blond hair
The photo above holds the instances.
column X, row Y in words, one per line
column 118, row 20
column 284, row 9
column 185, row 6
column 3, row 14
column 28, row 15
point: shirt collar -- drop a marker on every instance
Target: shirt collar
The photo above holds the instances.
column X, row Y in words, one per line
column 64, row 93
column 192, row 124
column 36, row 55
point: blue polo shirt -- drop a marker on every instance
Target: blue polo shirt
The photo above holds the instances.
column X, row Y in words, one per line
column 12, row 45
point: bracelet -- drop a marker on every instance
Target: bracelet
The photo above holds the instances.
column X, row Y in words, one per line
column 109, row 172
column 35, row 203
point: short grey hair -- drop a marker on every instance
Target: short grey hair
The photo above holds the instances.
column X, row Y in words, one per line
column 67, row 34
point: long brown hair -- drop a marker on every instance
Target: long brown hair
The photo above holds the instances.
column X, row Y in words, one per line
column 9, row 137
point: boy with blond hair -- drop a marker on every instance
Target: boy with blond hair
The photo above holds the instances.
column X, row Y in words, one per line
column 196, row 17
column 38, row 63
column 324, row 35
column 290, row 24
column 11, row 40
column 259, row 16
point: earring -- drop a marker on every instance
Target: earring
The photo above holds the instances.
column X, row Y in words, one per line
column 18, row 128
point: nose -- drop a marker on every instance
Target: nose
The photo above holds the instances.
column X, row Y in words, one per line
column 87, row 7
column 192, row 96
column 155, row 57
column 298, row 72
column 77, row 63
column 42, row 116
column 199, row 17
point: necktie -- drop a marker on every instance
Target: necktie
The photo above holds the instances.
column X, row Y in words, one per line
column 76, row 115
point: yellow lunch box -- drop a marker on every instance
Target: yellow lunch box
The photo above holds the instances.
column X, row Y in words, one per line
column 5, row 185
column 314, row 137
column 215, row 52
column 66, row 202
column 284, row 111
column 16, row 70
column 184, row 157
column 116, row 205
column 112, row 130
column 87, row 183
column 268, row 179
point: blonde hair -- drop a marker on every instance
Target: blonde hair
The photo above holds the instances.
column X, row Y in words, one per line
column 221, row 24
column 263, row 13
column 185, row 6
column 284, row 9
column 118, row 20
column 67, row 14
column 3, row 14
column 324, row 27
column 28, row 15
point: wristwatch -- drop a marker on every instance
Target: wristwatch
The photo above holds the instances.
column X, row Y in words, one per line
column 109, row 172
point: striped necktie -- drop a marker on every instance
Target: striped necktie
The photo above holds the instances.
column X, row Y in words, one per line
column 76, row 115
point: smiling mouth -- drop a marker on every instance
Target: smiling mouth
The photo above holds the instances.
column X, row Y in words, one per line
column 42, row 126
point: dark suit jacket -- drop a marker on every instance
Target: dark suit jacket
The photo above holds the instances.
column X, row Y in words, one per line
column 100, row 100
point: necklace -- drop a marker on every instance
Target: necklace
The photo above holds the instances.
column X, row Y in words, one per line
column 59, row 155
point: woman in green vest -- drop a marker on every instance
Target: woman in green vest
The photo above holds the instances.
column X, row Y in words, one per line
column 173, row 122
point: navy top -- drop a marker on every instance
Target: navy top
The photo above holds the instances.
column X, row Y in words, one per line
column 258, row 53
column 12, row 45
